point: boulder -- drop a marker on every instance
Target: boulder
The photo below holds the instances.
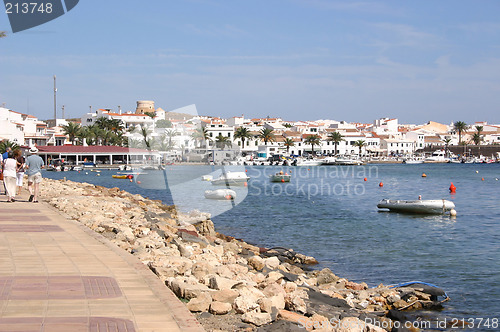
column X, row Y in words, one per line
column 296, row 318
column 201, row 269
column 244, row 304
column 216, row 282
column 200, row 303
column 278, row 301
column 256, row 262
column 272, row 262
column 326, row 276
column 265, row 304
column 225, row 295
column 220, row 308
column 256, row 318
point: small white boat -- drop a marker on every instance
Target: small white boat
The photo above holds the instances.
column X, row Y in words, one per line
column 207, row 178
column 280, row 177
column 222, row 194
column 348, row 162
column 412, row 161
column 438, row 156
column 309, row 162
column 231, row 179
column 435, row 206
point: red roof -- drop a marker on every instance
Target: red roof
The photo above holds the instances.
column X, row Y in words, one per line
column 88, row 149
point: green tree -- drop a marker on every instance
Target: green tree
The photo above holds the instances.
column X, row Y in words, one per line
column 145, row 137
column 360, row 143
column 163, row 124
column 267, row 135
column 3, row 34
column 171, row 133
column 242, row 133
column 288, row 143
column 72, row 130
column 336, row 138
column 313, row 140
column 447, row 142
column 7, row 144
column 222, row 141
column 460, row 127
column 200, row 135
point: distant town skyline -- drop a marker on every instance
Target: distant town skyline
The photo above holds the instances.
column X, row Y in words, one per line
column 297, row 59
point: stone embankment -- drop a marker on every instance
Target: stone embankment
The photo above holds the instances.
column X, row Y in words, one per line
column 230, row 284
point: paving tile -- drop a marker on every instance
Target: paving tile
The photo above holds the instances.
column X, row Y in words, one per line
column 29, row 228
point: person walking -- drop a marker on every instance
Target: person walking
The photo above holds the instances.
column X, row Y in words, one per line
column 9, row 176
column 34, row 165
column 18, row 155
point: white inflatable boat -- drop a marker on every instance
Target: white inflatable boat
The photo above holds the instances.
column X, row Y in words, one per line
column 224, row 194
column 435, row 206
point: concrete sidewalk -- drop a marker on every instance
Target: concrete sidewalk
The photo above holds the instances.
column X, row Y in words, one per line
column 57, row 275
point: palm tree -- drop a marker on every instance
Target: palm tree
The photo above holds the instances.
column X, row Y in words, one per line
column 336, row 138
column 200, row 135
column 313, row 140
column 477, row 138
column 360, row 143
column 447, row 142
column 7, row 144
column 267, row 135
column 171, row 133
column 288, row 143
column 145, row 133
column 3, row 34
column 72, row 130
column 460, row 127
column 242, row 133
column 222, row 141
column 116, row 125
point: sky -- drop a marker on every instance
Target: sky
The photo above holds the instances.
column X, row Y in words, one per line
column 353, row 60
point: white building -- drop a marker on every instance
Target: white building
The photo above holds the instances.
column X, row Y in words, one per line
column 397, row 146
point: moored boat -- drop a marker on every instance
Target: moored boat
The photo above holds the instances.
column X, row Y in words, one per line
column 231, row 179
column 435, row 206
column 220, row 194
column 280, row 177
column 122, row 176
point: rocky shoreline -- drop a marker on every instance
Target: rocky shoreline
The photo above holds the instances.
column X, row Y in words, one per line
column 228, row 284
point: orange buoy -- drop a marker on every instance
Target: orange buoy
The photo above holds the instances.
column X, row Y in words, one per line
column 308, row 169
column 453, row 188
column 246, row 170
column 380, row 184
column 424, row 175
column 365, row 179
column 283, row 180
column 138, row 182
column 482, row 179
column 131, row 180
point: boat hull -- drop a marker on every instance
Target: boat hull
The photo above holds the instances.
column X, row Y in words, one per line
column 280, row 178
column 438, row 206
column 220, row 194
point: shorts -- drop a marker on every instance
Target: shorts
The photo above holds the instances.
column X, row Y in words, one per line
column 35, row 178
column 19, row 177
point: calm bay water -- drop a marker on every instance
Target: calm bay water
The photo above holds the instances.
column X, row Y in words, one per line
column 330, row 213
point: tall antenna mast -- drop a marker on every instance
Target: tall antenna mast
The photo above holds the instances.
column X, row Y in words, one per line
column 55, row 92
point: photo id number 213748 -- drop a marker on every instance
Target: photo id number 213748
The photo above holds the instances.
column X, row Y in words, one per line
column 28, row 8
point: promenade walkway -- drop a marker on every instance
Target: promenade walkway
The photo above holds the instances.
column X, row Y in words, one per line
column 57, row 275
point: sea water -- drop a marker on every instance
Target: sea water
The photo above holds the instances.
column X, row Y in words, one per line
column 330, row 212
